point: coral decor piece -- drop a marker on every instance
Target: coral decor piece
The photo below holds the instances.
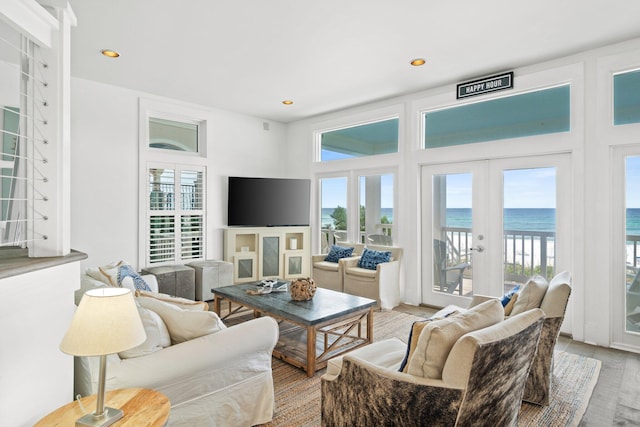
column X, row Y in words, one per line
column 303, row 289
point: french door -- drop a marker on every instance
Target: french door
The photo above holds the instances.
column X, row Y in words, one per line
column 489, row 225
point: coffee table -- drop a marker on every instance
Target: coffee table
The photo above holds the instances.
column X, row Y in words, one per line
column 311, row 332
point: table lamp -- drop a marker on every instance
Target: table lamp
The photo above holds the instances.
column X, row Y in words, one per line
column 105, row 322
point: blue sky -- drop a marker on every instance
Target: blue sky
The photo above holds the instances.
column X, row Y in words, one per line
column 334, row 192
column 633, row 182
column 523, row 188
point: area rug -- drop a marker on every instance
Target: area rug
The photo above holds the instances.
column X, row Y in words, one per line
column 298, row 397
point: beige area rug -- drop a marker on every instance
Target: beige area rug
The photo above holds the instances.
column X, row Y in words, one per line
column 298, row 397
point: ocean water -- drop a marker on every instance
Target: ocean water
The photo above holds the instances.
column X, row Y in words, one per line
column 517, row 219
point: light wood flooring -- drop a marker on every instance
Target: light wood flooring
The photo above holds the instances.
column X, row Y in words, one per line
column 616, row 398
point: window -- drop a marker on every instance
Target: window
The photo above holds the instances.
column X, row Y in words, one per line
column 333, row 212
column 532, row 113
column 376, row 209
column 368, row 139
column 173, row 135
column 173, row 175
column 626, row 98
column 175, row 215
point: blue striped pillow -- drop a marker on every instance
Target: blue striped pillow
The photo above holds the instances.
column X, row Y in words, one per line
column 370, row 258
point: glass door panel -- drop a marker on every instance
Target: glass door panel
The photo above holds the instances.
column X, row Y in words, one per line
column 529, row 224
column 452, row 221
column 453, row 236
column 632, row 231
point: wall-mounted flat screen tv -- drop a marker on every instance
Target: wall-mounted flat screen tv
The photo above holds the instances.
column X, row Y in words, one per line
column 268, row 202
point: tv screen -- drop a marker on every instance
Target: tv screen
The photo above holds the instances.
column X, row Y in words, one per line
column 268, row 202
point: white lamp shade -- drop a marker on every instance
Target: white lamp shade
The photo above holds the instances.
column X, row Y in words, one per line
column 106, row 321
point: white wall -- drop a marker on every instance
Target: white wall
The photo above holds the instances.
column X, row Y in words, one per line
column 104, row 168
column 592, row 313
column 35, row 311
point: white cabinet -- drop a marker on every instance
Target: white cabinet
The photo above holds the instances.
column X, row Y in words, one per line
column 261, row 252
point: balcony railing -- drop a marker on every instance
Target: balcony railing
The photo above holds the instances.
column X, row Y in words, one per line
column 525, row 252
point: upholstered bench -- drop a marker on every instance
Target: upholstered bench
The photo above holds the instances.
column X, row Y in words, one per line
column 211, row 274
column 176, row 280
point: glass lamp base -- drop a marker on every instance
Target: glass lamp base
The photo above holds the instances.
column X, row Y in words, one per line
column 110, row 416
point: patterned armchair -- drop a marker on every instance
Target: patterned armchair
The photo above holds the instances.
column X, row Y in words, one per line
column 553, row 303
column 483, row 378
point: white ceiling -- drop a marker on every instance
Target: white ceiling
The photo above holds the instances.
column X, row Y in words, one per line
column 249, row 55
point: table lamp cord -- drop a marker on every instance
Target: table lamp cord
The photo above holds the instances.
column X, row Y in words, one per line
column 78, row 397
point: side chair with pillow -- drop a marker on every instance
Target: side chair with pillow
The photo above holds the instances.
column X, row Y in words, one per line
column 552, row 298
column 467, row 367
column 206, row 370
column 328, row 268
column 375, row 274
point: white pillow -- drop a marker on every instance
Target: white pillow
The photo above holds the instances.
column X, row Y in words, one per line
column 157, row 335
column 183, row 325
column 531, row 295
column 183, row 303
column 438, row 337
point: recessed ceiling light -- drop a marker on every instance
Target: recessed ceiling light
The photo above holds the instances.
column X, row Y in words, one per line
column 418, row 62
column 287, row 102
column 110, row 53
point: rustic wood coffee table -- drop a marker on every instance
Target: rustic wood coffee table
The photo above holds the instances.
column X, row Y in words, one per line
column 311, row 332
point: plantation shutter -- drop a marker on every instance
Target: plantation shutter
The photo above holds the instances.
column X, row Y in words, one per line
column 175, row 214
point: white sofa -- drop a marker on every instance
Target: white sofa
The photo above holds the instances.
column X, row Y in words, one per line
column 220, row 379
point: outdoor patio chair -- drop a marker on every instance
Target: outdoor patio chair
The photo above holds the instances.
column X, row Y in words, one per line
column 380, row 239
column 340, row 236
column 447, row 278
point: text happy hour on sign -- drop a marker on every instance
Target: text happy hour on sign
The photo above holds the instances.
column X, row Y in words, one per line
column 485, row 85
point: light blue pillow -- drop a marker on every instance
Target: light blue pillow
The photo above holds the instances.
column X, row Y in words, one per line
column 138, row 281
column 338, row 252
column 370, row 258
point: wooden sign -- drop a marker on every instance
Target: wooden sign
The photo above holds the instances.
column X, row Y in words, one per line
column 485, row 85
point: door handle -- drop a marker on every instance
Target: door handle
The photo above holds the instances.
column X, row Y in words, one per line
column 478, row 249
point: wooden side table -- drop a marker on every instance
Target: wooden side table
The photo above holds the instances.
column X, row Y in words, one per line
column 141, row 406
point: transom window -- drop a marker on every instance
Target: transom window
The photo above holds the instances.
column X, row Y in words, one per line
column 532, row 113
column 626, row 98
column 380, row 137
column 173, row 135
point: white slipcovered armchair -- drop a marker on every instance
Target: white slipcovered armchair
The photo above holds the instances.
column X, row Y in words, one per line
column 329, row 275
column 218, row 379
column 381, row 283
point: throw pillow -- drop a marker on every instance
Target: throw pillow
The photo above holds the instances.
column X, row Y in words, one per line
column 157, row 335
column 338, row 252
column 508, row 309
column 183, row 303
column 183, row 325
column 371, row 258
column 414, row 333
column 438, row 337
column 531, row 294
column 119, row 274
column 507, row 297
